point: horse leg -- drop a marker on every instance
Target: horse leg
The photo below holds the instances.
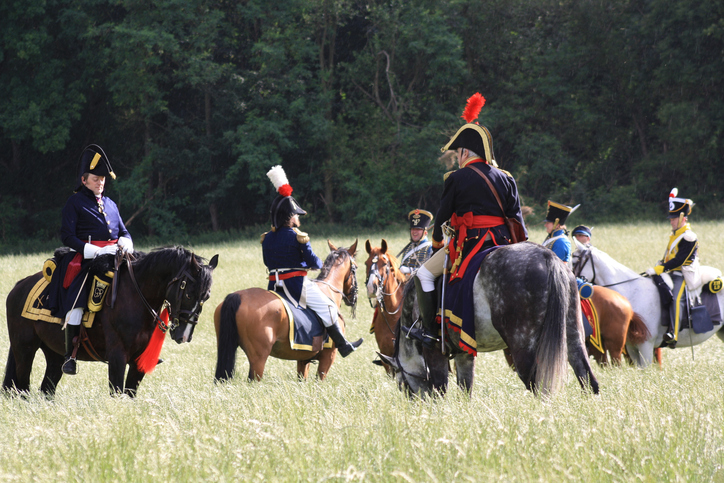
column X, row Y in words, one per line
column 577, row 355
column 23, row 365
column 598, row 356
column 326, row 359
column 53, row 372
column 133, row 379
column 465, row 371
column 256, row 368
column 302, row 370
column 116, row 371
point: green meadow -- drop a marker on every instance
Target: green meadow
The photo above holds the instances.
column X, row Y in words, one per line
column 654, row 424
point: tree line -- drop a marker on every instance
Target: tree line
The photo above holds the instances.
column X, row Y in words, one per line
column 605, row 103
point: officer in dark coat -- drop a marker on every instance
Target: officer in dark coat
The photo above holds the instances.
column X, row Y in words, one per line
column 419, row 249
column 470, row 206
column 91, row 226
column 288, row 255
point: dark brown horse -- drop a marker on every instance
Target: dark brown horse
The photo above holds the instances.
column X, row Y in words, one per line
column 167, row 277
column 385, row 285
column 255, row 320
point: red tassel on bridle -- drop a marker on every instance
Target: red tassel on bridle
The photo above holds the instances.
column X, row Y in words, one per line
column 473, row 107
column 148, row 361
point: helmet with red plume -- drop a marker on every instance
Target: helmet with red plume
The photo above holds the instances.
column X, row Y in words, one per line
column 284, row 205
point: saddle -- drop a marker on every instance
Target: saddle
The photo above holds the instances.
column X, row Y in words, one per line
column 697, row 309
column 306, row 330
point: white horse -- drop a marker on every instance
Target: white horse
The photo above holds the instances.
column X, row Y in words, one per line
column 600, row 269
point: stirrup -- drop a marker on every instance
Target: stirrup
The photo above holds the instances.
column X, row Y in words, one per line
column 70, row 367
column 423, row 336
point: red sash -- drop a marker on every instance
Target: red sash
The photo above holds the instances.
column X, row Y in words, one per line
column 74, row 266
column 284, row 276
column 461, row 225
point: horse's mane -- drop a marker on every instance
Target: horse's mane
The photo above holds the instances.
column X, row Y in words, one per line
column 175, row 257
column 336, row 257
column 610, row 262
column 395, row 263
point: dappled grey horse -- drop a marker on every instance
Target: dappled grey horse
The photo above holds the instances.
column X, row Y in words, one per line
column 525, row 299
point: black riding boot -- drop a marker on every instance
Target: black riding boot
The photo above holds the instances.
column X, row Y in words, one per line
column 427, row 303
column 71, row 332
column 344, row 346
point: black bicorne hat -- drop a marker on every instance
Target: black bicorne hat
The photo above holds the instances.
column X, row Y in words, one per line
column 679, row 206
column 94, row 161
column 419, row 218
column 558, row 213
column 473, row 136
column 284, row 205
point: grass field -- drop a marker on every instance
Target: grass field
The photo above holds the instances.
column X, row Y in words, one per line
column 646, row 425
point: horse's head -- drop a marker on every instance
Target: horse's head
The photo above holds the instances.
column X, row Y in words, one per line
column 343, row 258
column 186, row 294
column 383, row 269
column 582, row 261
column 415, row 367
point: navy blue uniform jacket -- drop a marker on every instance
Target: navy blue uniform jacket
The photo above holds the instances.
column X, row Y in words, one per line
column 283, row 251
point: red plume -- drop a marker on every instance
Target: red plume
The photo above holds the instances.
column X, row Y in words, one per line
column 472, row 109
column 285, row 190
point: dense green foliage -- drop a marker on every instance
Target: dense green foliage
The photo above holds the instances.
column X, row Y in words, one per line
column 609, row 104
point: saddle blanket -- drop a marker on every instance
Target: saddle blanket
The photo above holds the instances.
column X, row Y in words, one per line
column 459, row 311
column 590, row 324
column 306, row 331
column 35, row 307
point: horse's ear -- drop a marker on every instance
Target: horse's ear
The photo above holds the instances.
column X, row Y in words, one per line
column 214, row 262
column 389, row 361
column 383, row 249
column 352, row 250
column 331, row 246
column 368, row 246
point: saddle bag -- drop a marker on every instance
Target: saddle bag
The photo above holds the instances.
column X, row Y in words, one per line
column 700, row 320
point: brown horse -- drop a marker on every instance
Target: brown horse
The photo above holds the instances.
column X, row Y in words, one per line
column 255, row 320
column 385, row 284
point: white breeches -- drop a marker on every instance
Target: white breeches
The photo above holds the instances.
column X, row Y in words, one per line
column 431, row 269
column 320, row 303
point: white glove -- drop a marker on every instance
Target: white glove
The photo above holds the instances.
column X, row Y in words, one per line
column 650, row 272
column 108, row 250
column 90, row 251
column 126, row 244
column 406, row 270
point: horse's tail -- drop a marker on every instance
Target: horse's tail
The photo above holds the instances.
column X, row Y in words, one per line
column 227, row 339
column 637, row 332
column 551, row 353
column 10, row 372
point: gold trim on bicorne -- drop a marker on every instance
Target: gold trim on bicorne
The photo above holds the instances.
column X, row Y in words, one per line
column 94, row 161
column 484, row 134
column 560, row 206
column 290, row 315
column 30, row 311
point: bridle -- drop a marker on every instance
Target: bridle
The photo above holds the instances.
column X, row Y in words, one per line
column 380, row 294
column 585, row 257
column 175, row 291
column 350, row 299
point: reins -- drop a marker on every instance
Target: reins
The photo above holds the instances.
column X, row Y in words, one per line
column 583, row 260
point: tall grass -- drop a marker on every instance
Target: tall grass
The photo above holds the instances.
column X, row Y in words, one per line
column 650, row 425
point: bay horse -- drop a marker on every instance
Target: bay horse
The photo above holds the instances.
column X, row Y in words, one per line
column 255, row 320
column 173, row 278
column 385, row 284
column 602, row 270
column 525, row 299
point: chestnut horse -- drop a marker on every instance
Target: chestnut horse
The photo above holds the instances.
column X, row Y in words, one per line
column 255, row 320
column 617, row 323
column 385, row 284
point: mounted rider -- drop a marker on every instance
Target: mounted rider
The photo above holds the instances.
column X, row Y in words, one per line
column 419, row 249
column 470, row 206
column 680, row 261
column 288, row 256
column 91, row 226
column 557, row 240
column 583, row 234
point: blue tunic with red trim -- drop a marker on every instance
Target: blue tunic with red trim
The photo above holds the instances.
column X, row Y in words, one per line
column 283, row 252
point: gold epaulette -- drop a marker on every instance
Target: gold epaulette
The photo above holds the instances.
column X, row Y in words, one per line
column 507, row 173
column 444, row 177
column 301, row 236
